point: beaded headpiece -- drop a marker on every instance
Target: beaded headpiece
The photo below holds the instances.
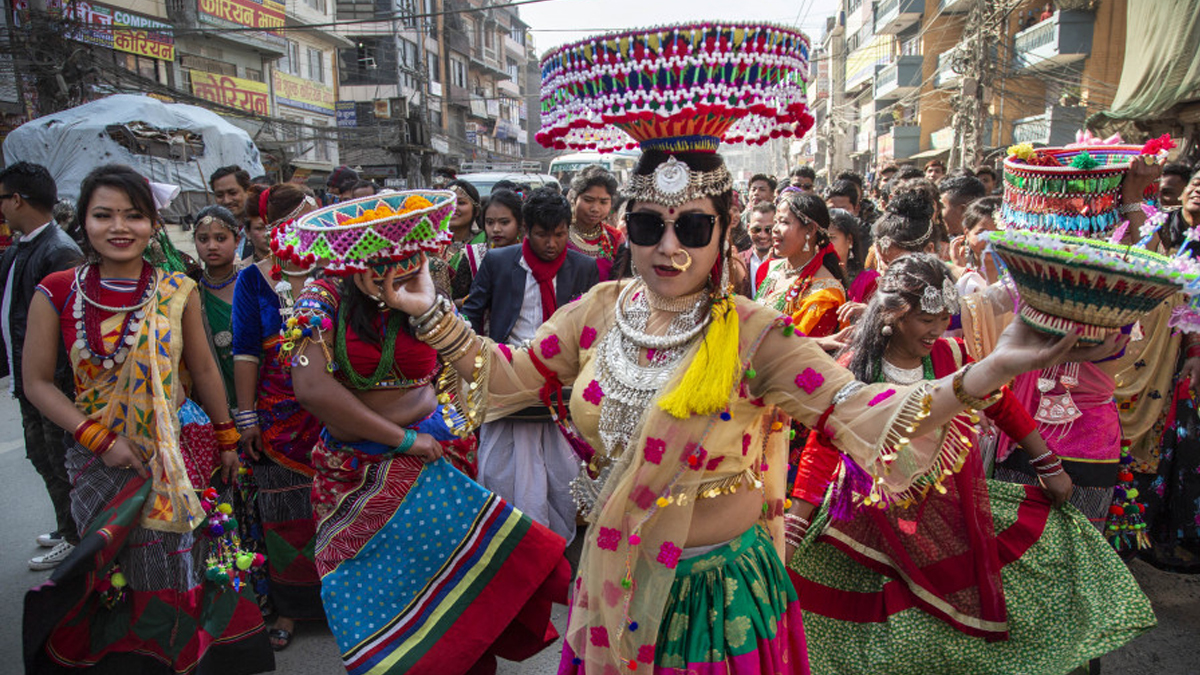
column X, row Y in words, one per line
column 676, row 89
column 933, row 300
column 885, row 242
column 356, row 235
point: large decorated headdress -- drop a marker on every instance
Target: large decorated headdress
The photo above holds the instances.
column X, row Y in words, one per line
column 676, row 89
column 354, row 236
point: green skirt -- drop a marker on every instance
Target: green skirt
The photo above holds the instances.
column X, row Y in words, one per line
column 1069, row 599
column 731, row 611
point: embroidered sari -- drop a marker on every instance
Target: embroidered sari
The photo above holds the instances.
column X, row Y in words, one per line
column 977, row 576
column 169, row 615
column 811, row 302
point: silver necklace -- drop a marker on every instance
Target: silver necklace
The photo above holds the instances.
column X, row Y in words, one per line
column 629, row 386
column 637, row 311
column 897, row 375
column 131, row 327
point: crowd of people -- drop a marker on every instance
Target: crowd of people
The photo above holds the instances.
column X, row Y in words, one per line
column 238, row 438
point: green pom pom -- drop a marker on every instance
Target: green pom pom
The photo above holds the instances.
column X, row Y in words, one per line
column 789, row 329
column 627, row 583
column 1084, row 161
column 751, row 373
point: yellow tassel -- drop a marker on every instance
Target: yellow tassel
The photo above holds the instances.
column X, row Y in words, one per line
column 708, row 383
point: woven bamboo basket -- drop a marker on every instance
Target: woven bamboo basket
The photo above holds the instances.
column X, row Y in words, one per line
column 1071, row 283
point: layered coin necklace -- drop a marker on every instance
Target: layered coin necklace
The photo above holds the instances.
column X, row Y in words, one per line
column 88, row 324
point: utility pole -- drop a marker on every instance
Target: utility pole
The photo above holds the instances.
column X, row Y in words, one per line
column 976, row 63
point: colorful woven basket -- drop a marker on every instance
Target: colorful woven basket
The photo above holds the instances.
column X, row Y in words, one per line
column 383, row 229
column 676, row 88
column 1068, row 283
column 1074, row 191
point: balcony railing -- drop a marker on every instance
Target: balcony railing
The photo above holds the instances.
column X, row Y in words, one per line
column 945, row 75
column 1054, row 127
column 893, row 16
column 900, row 78
column 955, row 6
column 1061, row 39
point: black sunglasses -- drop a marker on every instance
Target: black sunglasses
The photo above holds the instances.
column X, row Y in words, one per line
column 10, row 195
column 693, row 230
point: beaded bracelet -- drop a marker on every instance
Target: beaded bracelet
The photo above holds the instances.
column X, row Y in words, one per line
column 960, row 392
column 410, row 439
column 244, row 419
column 94, row 436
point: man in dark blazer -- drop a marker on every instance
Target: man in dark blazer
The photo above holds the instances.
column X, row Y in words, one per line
column 27, row 198
column 508, row 300
column 524, row 457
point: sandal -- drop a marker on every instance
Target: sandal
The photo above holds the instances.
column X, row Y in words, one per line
column 279, row 638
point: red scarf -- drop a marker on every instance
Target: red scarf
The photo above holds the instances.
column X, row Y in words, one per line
column 544, row 273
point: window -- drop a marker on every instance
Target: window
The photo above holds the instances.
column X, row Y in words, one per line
column 290, row 61
column 192, row 62
column 252, row 74
column 318, row 5
column 434, row 71
column 320, row 147
column 458, row 72
column 489, row 39
column 435, row 119
column 407, row 55
column 517, row 34
column 316, row 65
column 469, row 29
column 514, row 70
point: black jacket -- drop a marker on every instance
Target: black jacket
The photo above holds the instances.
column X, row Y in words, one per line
column 31, row 261
column 498, row 289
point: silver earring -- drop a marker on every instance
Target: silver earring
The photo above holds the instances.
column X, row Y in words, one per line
column 807, row 246
column 886, row 331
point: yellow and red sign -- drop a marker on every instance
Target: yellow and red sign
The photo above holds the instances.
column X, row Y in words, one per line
column 266, row 15
column 117, row 29
column 235, row 92
column 298, row 92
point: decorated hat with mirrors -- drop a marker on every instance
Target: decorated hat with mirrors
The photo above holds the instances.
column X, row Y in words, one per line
column 383, row 230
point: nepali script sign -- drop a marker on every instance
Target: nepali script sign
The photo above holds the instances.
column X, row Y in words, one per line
column 266, row 15
column 117, row 29
column 235, row 92
column 298, row 92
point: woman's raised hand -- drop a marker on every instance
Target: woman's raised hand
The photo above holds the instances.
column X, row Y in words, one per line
column 414, row 295
column 1022, row 349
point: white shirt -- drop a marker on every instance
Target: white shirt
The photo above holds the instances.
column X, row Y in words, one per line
column 6, row 308
column 530, row 318
column 755, row 261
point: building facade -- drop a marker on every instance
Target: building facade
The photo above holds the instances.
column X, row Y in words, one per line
column 960, row 80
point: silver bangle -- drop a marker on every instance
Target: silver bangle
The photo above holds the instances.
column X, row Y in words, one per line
column 431, row 314
column 1131, row 207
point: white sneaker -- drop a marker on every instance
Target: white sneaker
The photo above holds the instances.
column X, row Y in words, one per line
column 50, row 539
column 53, row 558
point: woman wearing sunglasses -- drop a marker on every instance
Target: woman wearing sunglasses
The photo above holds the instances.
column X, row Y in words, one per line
column 680, row 388
column 806, row 282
